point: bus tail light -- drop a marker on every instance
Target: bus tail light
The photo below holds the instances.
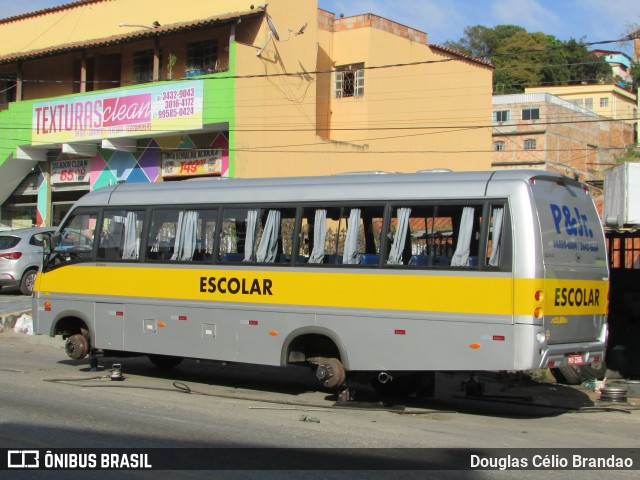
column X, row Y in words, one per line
column 538, row 313
column 47, row 306
column 539, row 295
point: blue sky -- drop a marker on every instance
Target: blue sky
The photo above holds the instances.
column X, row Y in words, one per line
column 443, row 20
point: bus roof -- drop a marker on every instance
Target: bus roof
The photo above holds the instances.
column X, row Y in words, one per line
column 346, row 187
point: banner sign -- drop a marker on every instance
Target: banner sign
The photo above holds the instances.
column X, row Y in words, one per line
column 337, row 459
column 124, row 113
column 70, row 171
column 182, row 163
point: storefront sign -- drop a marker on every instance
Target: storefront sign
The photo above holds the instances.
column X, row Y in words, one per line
column 70, row 171
column 125, row 113
column 192, row 162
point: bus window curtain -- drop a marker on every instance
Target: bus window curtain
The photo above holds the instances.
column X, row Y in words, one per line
column 400, row 237
column 268, row 248
column 186, row 236
column 461, row 254
column 498, row 213
column 350, row 254
column 250, row 239
column 319, row 236
column 130, row 248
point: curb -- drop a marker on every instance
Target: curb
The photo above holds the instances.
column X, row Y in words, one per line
column 8, row 320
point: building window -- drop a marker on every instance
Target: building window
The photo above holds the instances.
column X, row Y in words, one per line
column 142, row 66
column 498, row 146
column 604, row 102
column 202, row 56
column 578, row 102
column 349, row 81
column 501, row 115
column 530, row 144
column 8, row 89
column 530, row 114
column 588, row 103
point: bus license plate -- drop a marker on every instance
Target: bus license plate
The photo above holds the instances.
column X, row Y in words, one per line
column 575, row 359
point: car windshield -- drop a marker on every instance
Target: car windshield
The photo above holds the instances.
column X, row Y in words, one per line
column 7, row 242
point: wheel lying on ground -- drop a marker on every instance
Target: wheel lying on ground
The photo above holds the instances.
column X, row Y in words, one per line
column 165, row 362
column 77, row 346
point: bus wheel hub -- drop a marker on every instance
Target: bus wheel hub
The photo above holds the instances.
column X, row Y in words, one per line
column 77, row 346
column 330, row 372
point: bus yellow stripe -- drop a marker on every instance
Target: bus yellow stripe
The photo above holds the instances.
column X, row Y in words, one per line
column 411, row 292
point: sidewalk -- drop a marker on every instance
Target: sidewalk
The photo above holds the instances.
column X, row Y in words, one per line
column 12, row 305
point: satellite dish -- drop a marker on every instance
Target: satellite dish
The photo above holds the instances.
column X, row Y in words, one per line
column 272, row 33
column 272, row 27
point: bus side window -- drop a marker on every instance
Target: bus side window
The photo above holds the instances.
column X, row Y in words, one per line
column 274, row 239
column 342, row 236
column 495, row 233
column 120, row 238
column 162, row 234
column 421, row 236
column 237, row 242
column 181, row 235
column 76, row 236
column 467, row 236
column 205, row 231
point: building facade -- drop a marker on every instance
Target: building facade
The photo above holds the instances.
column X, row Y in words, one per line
column 98, row 92
column 540, row 130
column 620, row 64
column 611, row 101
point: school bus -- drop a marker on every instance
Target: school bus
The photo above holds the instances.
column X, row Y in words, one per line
column 384, row 278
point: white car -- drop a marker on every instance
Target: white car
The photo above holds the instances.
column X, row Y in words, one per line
column 21, row 256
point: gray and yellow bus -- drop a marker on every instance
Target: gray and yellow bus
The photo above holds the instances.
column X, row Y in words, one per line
column 387, row 277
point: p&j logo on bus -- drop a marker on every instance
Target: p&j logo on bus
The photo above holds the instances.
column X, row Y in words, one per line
column 573, row 223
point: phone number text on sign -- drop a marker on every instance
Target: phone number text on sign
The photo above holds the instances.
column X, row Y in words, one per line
column 176, row 103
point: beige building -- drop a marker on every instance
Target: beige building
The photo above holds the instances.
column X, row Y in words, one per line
column 104, row 91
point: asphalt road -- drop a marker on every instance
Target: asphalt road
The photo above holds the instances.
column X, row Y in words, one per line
column 11, row 300
column 49, row 401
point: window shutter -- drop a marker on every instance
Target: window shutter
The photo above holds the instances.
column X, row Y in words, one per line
column 339, row 84
column 359, row 91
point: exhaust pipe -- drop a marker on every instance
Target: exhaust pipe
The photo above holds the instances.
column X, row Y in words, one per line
column 384, row 377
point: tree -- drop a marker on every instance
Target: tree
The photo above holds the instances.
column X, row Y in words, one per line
column 635, row 75
column 633, row 33
column 522, row 59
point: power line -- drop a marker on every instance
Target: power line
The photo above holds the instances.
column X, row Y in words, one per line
column 459, row 56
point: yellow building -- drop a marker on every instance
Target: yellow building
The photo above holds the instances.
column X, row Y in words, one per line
column 103, row 91
column 609, row 101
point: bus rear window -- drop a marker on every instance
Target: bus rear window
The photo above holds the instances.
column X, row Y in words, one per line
column 569, row 224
